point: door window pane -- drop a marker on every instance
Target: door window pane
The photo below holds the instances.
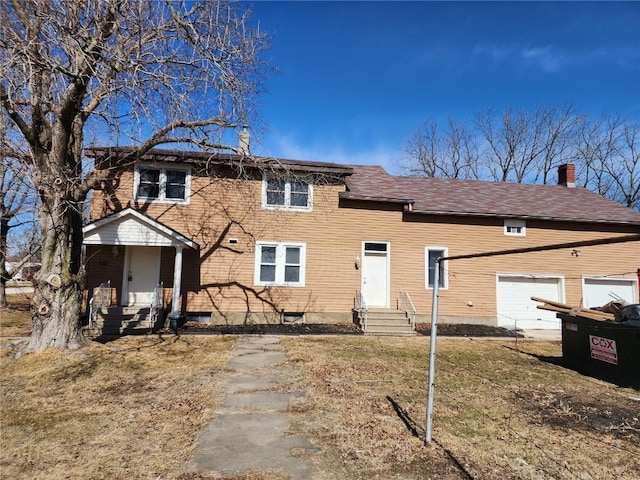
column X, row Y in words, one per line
column 375, row 247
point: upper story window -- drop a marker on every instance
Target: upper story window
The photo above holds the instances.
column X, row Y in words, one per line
column 162, row 184
column 515, row 227
column 286, row 194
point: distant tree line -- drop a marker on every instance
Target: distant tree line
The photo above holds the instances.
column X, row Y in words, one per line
column 527, row 146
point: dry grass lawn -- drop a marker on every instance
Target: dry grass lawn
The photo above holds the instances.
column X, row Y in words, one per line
column 129, row 409
column 501, row 411
column 15, row 320
column 132, row 409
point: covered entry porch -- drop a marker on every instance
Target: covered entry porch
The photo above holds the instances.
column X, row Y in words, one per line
column 133, row 262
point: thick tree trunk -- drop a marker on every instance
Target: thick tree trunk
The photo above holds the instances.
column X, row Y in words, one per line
column 57, row 297
column 4, row 275
column 3, row 292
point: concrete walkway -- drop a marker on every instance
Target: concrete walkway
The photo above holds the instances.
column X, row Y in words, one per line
column 249, row 430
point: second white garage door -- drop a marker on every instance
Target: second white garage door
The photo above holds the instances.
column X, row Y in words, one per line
column 600, row 291
column 515, row 307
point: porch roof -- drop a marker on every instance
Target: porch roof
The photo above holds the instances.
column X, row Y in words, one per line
column 131, row 227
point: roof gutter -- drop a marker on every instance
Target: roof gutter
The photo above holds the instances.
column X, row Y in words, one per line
column 523, row 217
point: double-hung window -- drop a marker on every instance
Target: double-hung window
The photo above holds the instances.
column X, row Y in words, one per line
column 280, row 264
column 163, row 184
column 431, row 255
column 286, row 194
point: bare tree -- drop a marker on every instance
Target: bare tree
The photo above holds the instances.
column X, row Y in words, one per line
column 528, row 146
column 425, row 151
column 450, row 154
column 15, row 197
column 142, row 72
column 608, row 151
column 17, row 207
column 525, row 146
column 558, row 127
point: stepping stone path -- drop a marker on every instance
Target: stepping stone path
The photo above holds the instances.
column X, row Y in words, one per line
column 249, row 430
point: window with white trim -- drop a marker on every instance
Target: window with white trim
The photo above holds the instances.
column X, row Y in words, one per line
column 286, row 194
column 280, row 264
column 431, row 254
column 162, row 184
column 516, row 228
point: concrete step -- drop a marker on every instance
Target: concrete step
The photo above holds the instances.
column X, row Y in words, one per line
column 388, row 322
column 389, row 334
column 121, row 320
column 382, row 330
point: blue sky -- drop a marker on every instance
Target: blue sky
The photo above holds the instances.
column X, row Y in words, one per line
column 356, row 78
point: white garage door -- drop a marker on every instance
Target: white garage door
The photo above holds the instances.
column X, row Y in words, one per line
column 600, row 291
column 517, row 310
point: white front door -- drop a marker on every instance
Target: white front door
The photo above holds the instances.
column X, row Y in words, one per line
column 375, row 274
column 142, row 274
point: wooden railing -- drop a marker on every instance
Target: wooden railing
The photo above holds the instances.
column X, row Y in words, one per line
column 405, row 304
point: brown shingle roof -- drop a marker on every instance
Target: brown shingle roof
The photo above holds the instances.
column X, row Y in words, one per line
column 474, row 198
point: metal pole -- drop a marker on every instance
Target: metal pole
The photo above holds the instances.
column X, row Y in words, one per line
column 432, row 351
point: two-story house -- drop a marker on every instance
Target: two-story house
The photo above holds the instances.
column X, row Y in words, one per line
column 235, row 239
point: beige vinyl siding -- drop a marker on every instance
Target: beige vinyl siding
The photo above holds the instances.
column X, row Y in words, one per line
column 223, row 275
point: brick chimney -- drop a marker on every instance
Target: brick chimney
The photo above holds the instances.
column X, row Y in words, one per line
column 567, row 175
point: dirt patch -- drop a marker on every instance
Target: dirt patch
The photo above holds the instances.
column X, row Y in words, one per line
column 445, row 329
column 270, row 329
column 467, row 330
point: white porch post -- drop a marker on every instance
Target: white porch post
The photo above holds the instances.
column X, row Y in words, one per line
column 177, row 278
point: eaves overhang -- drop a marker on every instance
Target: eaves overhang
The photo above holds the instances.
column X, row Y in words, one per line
column 376, row 198
column 217, row 158
column 455, row 213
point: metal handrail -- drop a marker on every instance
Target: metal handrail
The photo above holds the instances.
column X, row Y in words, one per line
column 360, row 306
column 157, row 303
column 101, row 298
column 157, row 300
column 406, row 304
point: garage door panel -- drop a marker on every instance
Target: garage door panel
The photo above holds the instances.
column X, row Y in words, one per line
column 517, row 310
column 600, row 291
